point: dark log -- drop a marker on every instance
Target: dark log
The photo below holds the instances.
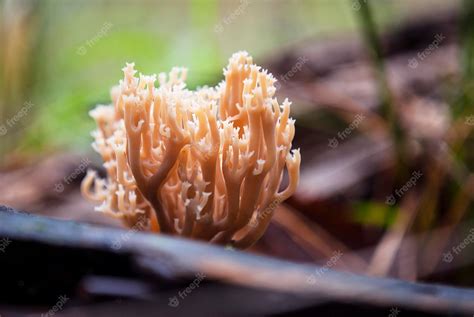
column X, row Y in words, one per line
column 66, row 255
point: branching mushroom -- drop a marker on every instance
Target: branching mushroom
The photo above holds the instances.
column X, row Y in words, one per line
column 204, row 164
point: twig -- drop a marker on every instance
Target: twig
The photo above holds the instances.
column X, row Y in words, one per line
column 309, row 234
column 387, row 248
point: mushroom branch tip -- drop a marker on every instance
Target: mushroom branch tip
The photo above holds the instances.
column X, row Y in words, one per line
column 205, row 164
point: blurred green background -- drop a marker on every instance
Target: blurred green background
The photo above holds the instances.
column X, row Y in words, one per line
column 63, row 56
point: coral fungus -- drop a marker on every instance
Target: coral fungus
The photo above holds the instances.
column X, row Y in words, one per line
column 203, row 164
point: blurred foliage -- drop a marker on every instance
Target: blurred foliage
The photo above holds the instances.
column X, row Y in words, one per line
column 375, row 213
column 65, row 82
